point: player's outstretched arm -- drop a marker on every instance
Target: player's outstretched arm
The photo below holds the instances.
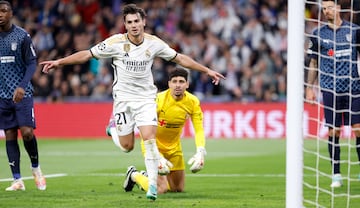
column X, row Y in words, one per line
column 190, row 63
column 76, row 58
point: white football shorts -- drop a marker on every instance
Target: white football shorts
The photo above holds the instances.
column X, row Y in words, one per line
column 131, row 114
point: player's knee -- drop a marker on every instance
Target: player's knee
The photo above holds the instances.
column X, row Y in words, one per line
column 162, row 189
column 126, row 147
column 27, row 134
column 177, row 189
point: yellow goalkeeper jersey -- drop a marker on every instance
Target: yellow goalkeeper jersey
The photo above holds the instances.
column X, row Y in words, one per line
column 172, row 116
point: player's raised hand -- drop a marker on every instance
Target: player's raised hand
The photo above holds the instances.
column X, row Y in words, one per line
column 48, row 65
column 215, row 76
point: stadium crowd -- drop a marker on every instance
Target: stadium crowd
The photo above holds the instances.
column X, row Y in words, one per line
column 246, row 40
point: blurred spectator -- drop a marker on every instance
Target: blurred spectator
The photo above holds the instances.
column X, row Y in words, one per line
column 243, row 39
column 231, row 84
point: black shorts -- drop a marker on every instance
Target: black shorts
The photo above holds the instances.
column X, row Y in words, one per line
column 16, row 115
column 341, row 109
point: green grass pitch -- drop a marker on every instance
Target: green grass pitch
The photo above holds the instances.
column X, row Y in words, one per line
column 89, row 173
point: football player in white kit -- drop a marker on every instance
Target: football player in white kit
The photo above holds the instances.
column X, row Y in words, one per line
column 134, row 91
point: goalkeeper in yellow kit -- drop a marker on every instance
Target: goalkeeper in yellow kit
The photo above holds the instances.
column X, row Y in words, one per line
column 174, row 106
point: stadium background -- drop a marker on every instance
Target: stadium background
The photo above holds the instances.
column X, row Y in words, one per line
column 245, row 40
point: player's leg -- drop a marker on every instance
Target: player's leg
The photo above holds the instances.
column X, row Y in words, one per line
column 13, row 154
column 175, row 181
column 142, row 114
column 26, row 120
column 151, row 158
column 176, row 178
column 9, row 123
column 356, row 128
column 333, row 121
column 163, row 183
column 146, row 120
column 133, row 176
column 355, row 119
column 111, row 131
column 122, row 131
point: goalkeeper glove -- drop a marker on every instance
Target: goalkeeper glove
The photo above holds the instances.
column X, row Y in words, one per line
column 164, row 166
column 197, row 161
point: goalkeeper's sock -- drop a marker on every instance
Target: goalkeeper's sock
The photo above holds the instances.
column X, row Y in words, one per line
column 141, row 180
column 151, row 160
column 334, row 152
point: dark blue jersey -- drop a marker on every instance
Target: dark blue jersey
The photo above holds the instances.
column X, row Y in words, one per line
column 336, row 52
column 17, row 62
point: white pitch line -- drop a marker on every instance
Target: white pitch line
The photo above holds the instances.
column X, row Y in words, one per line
column 122, row 174
column 203, row 175
column 31, row 177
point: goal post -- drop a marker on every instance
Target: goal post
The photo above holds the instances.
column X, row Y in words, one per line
column 311, row 177
column 294, row 104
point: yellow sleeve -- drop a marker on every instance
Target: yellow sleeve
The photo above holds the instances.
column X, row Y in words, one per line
column 197, row 121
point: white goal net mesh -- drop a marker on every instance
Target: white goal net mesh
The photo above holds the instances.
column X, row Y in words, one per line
column 318, row 167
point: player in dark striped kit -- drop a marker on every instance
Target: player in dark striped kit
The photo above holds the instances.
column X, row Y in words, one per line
column 333, row 52
column 17, row 66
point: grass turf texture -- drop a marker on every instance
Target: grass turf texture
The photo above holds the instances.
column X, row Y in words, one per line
column 237, row 173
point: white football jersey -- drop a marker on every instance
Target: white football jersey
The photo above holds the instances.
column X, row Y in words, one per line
column 132, row 64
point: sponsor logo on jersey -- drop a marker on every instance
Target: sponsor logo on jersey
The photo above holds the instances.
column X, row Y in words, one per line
column 330, row 52
column 7, row 59
column 162, row 122
column 345, row 52
column 135, row 66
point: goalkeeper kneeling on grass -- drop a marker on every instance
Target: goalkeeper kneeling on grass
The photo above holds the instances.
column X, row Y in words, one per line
column 174, row 106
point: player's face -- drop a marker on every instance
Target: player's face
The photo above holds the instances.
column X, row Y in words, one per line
column 134, row 24
column 330, row 9
column 5, row 15
column 177, row 86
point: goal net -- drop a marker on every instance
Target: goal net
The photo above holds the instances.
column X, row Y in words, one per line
column 316, row 171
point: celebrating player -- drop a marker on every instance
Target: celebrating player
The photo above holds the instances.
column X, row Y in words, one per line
column 174, row 107
column 339, row 79
column 18, row 64
column 134, row 91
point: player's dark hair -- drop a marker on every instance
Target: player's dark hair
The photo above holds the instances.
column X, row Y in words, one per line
column 133, row 9
column 178, row 72
column 338, row 2
column 6, row 3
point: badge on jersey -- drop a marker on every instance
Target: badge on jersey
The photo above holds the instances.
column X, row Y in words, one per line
column 102, row 46
column 347, row 36
column 127, row 49
column 13, row 46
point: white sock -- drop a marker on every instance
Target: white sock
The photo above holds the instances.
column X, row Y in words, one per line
column 151, row 160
